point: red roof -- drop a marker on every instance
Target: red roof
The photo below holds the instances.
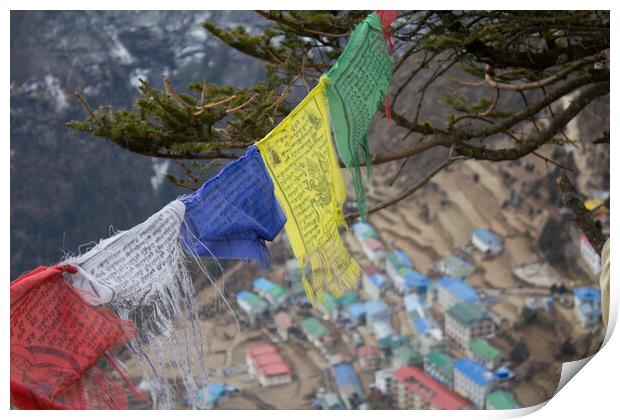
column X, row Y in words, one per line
column 368, row 350
column 421, row 384
column 373, row 244
column 283, row 320
column 259, row 349
column 370, row 269
column 275, row 369
column 267, row 359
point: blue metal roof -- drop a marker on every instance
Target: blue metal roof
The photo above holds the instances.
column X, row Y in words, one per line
column 378, row 280
column 356, row 310
column 412, row 302
column 588, row 294
column 346, row 376
column 415, row 280
column 421, row 326
column 263, row 284
column 244, row 294
column 458, row 288
column 402, row 258
column 475, row 371
column 487, row 236
column 361, row 228
column 375, row 307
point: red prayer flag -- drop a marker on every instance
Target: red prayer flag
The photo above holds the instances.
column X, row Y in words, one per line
column 56, row 340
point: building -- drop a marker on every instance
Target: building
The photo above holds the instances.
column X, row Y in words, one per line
column 405, row 355
column 486, row 241
column 590, row 256
column 451, row 291
column 315, row 332
column 395, row 260
column 382, row 330
column 440, row 366
column 284, row 323
column 482, row 351
column 374, row 249
column 465, row 322
column 363, row 230
column 473, row 381
column 369, row 357
column 453, row 266
column 376, row 310
column 384, row 380
column 588, row 306
column 271, row 292
column 348, row 384
column 414, row 305
column 253, row 306
column 414, row 389
column 373, row 282
column 407, row 280
column 330, row 401
column 428, row 335
column 501, row 399
column 265, row 363
column 355, row 313
column 328, row 306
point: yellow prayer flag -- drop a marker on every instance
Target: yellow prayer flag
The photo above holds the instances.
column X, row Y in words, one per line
column 301, row 159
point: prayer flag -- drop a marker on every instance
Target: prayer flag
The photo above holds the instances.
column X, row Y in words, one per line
column 56, row 339
column 300, row 157
column 356, row 86
column 234, row 213
column 141, row 274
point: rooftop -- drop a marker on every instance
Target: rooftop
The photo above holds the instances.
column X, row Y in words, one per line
column 275, row 369
column 484, row 350
column 370, row 269
column 421, row 326
column 355, row 309
column 423, row 385
column 467, row 314
column 267, row 359
column 398, row 258
column 588, row 294
column 373, row 244
column 313, row 327
column 459, row 289
column 347, row 380
column 378, row 280
column 376, row 307
column 407, row 355
column 256, row 303
column 413, row 302
column 440, row 360
column 364, row 230
column 502, row 399
column 457, row 266
column 260, row 349
column 416, row 280
column 347, row 299
column 488, row 237
column 475, row 371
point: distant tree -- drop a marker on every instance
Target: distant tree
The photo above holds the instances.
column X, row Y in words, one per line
column 519, row 352
column 510, row 68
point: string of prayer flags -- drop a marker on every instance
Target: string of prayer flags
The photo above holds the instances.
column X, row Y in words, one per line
column 387, row 17
column 301, row 160
column 356, row 86
column 233, row 214
column 141, row 274
column 57, row 340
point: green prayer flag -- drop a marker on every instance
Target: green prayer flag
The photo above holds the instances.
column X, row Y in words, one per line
column 357, row 84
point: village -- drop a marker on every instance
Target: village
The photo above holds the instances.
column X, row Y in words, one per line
column 403, row 339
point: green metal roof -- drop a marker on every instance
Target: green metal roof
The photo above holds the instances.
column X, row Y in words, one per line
column 256, row 303
column 467, row 314
column 500, row 399
column 403, row 270
column 276, row 292
column 441, row 361
column 484, row 350
column 347, row 299
column 327, row 301
column 313, row 327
